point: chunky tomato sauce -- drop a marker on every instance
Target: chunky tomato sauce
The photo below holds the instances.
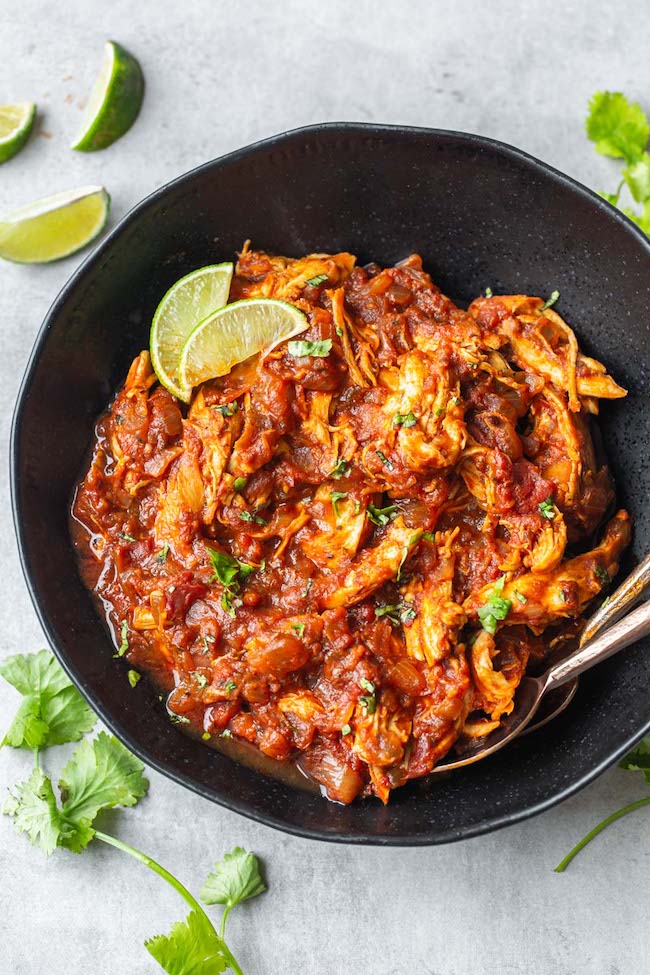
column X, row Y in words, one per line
column 348, row 555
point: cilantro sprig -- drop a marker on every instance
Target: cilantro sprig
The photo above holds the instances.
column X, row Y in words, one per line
column 102, row 774
column 638, row 760
column 620, row 128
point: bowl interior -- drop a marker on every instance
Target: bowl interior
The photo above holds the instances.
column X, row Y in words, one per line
column 480, row 214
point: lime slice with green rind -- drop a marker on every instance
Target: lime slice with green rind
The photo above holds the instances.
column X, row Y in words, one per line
column 234, row 334
column 54, row 227
column 115, row 100
column 16, row 122
column 187, row 303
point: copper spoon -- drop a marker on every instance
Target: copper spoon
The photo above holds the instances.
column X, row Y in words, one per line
column 531, row 689
column 611, row 610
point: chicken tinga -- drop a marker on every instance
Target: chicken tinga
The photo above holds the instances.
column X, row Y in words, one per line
column 348, row 550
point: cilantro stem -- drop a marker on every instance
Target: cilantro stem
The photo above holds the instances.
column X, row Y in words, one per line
column 178, row 887
column 598, row 829
column 37, row 757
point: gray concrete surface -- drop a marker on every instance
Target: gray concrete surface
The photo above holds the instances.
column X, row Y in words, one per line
column 220, row 75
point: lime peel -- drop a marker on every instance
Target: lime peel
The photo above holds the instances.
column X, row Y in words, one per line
column 54, row 227
column 235, row 333
column 16, row 123
column 115, row 100
column 190, row 300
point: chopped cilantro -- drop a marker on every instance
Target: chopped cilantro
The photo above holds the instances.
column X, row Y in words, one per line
column 125, row 537
column 239, row 484
column 317, row 280
column 124, row 634
column 404, row 420
column 162, row 554
column 134, row 677
column 227, row 409
column 495, row 609
column 346, row 729
column 520, row 596
column 488, row 292
column 550, row 301
column 178, row 718
column 229, row 687
column 547, row 509
column 318, row 350
column 440, row 411
column 368, row 702
column 384, row 459
column 299, row 628
column 226, row 733
column 200, row 678
column 340, row 469
column 601, row 574
column 229, row 602
column 381, row 516
column 247, row 516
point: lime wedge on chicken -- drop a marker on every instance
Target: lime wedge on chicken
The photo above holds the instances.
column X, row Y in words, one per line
column 234, row 334
column 115, row 100
column 16, row 122
column 55, row 226
column 187, row 303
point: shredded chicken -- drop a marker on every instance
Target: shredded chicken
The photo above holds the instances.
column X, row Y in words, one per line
column 347, row 560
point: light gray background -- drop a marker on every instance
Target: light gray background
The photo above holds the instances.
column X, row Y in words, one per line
column 220, row 75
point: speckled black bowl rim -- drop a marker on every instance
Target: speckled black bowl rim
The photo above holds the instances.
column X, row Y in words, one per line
column 138, row 748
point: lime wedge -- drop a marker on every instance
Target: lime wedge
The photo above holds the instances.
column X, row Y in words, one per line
column 16, row 122
column 235, row 333
column 54, row 227
column 114, row 102
column 187, row 303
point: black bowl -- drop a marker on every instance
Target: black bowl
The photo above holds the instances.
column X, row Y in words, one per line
column 480, row 214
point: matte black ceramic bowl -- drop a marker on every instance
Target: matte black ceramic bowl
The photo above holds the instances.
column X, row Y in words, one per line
column 480, row 214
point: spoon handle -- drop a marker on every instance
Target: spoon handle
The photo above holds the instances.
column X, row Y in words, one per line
column 631, row 628
column 625, row 595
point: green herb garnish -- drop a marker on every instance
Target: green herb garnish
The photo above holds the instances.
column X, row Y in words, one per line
column 239, row 484
column 346, row 729
column 124, row 634
column 381, row 516
column 133, row 677
column 551, row 300
column 230, row 686
column 404, row 420
column 299, row 628
column 547, row 509
column 247, row 516
column 340, row 469
column 620, row 128
column 125, row 537
column 495, row 609
column 520, row 596
column 337, row 496
column 227, row 409
column 318, row 350
column 162, row 554
column 488, row 292
column 384, row 459
column 317, row 280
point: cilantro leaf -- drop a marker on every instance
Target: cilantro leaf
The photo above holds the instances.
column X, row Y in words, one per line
column 52, row 711
column 32, row 805
column 192, row 947
column 404, row 420
column 340, row 469
column 226, row 568
column 234, row 879
column 318, row 349
column 101, row 774
column 550, row 301
column 637, row 177
column 618, row 127
column 547, row 509
column 335, row 497
column 638, row 760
